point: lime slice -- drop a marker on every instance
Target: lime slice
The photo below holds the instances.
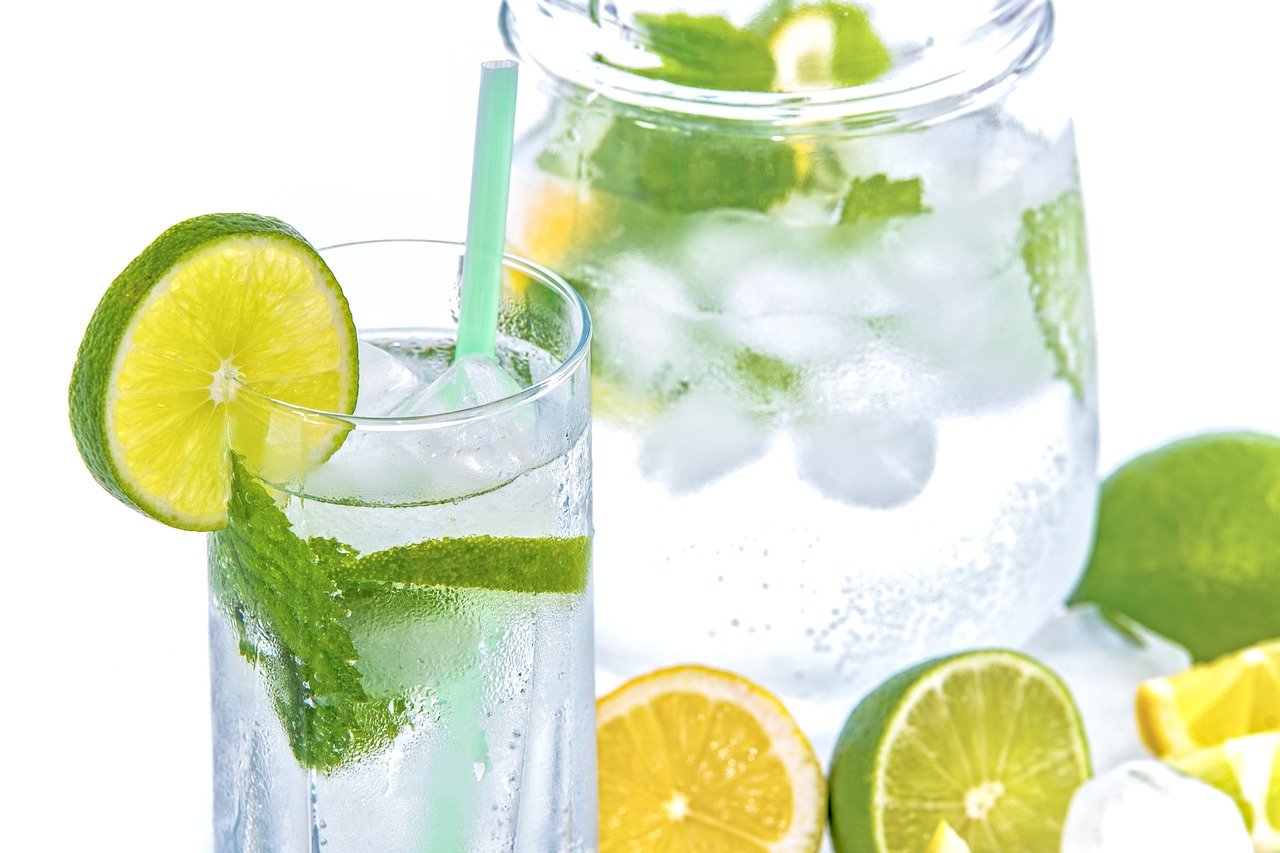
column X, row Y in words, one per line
column 1186, row 543
column 508, row 564
column 1247, row 769
column 215, row 303
column 988, row 741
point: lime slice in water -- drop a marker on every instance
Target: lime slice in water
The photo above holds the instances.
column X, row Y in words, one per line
column 989, row 742
column 215, row 303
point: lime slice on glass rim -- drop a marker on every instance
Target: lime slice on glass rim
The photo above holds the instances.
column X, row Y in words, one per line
column 988, row 741
column 216, row 303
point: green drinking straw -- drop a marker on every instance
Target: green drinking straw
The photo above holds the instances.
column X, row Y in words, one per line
column 464, row 751
column 487, row 217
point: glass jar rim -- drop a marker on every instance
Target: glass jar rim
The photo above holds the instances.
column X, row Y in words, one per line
column 537, row 390
column 1008, row 42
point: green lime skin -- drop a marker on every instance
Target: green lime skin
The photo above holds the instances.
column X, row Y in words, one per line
column 90, row 378
column 1188, row 543
column 1054, row 746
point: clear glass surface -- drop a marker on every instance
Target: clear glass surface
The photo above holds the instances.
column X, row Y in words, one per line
column 401, row 618
column 844, row 376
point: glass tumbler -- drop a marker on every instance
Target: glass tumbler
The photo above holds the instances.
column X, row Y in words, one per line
column 401, row 600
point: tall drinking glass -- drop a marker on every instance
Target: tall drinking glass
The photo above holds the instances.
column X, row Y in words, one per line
column 401, row 609
column 844, row 362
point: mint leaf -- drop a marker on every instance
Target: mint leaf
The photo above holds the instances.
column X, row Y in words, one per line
column 704, row 51
column 710, row 52
column 281, row 592
column 292, row 600
column 683, row 170
column 765, row 22
column 1052, row 246
column 860, row 56
column 769, row 380
column 877, row 197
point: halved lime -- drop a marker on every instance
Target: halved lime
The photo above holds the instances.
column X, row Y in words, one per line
column 988, row 741
column 215, row 303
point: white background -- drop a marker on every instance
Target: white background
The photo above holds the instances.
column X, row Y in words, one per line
column 119, row 119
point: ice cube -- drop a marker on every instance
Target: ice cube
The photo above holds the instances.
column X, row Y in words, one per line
column 437, row 462
column 801, row 338
column 878, row 460
column 701, row 438
column 385, row 382
column 470, row 381
column 647, row 332
column 1145, row 805
column 1103, row 668
column 984, row 346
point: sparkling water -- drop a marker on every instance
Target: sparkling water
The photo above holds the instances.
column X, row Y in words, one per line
column 421, row 677
column 841, row 426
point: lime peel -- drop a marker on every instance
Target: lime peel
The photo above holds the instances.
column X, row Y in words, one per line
column 1186, row 543
column 214, row 302
column 955, row 732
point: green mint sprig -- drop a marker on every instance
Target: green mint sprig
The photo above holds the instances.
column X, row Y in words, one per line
column 1053, row 250
column 704, row 51
column 290, row 600
column 878, row 197
column 687, row 169
column 281, row 592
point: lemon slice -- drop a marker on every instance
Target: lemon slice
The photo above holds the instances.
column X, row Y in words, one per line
column 1237, row 694
column 216, row 304
column 988, row 741
column 560, row 220
column 1247, row 769
column 695, row 759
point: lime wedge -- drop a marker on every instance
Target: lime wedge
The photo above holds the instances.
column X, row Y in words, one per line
column 216, row 303
column 946, row 840
column 988, row 741
column 1247, row 769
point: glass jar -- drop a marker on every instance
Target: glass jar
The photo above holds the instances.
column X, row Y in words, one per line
column 843, row 368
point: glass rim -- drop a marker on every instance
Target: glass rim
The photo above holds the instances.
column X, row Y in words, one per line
column 553, row 380
column 1011, row 39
